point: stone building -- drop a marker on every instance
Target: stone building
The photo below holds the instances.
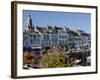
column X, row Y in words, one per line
column 53, row 36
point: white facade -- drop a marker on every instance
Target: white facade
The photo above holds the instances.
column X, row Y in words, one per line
column 26, row 40
column 31, row 40
column 46, row 39
column 35, row 40
column 54, row 39
column 62, row 38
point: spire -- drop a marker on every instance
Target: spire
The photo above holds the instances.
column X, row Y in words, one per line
column 29, row 23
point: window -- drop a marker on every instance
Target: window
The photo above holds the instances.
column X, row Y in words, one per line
column 30, row 35
column 47, row 36
column 31, row 41
column 65, row 36
column 34, row 36
column 65, row 41
column 60, row 41
column 44, row 36
column 60, row 36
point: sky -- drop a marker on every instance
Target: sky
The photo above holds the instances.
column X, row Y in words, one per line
column 72, row 20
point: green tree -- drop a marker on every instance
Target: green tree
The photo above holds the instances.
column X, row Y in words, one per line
column 52, row 60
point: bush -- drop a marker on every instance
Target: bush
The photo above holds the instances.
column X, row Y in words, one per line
column 52, row 60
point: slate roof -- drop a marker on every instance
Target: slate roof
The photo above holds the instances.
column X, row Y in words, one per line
column 55, row 29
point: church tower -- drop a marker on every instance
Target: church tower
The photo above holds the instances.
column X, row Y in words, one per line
column 28, row 25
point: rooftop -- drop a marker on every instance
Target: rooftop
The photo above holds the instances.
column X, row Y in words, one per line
column 56, row 29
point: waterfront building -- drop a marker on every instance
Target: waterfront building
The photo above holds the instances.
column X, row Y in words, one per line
column 85, row 38
column 62, row 38
column 53, row 36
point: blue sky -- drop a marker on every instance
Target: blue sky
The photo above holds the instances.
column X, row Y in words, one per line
column 72, row 20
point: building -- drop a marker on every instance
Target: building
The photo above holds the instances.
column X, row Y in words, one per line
column 62, row 38
column 28, row 25
column 85, row 38
column 31, row 39
column 53, row 36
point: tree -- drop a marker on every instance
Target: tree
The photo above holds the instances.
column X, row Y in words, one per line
column 52, row 60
